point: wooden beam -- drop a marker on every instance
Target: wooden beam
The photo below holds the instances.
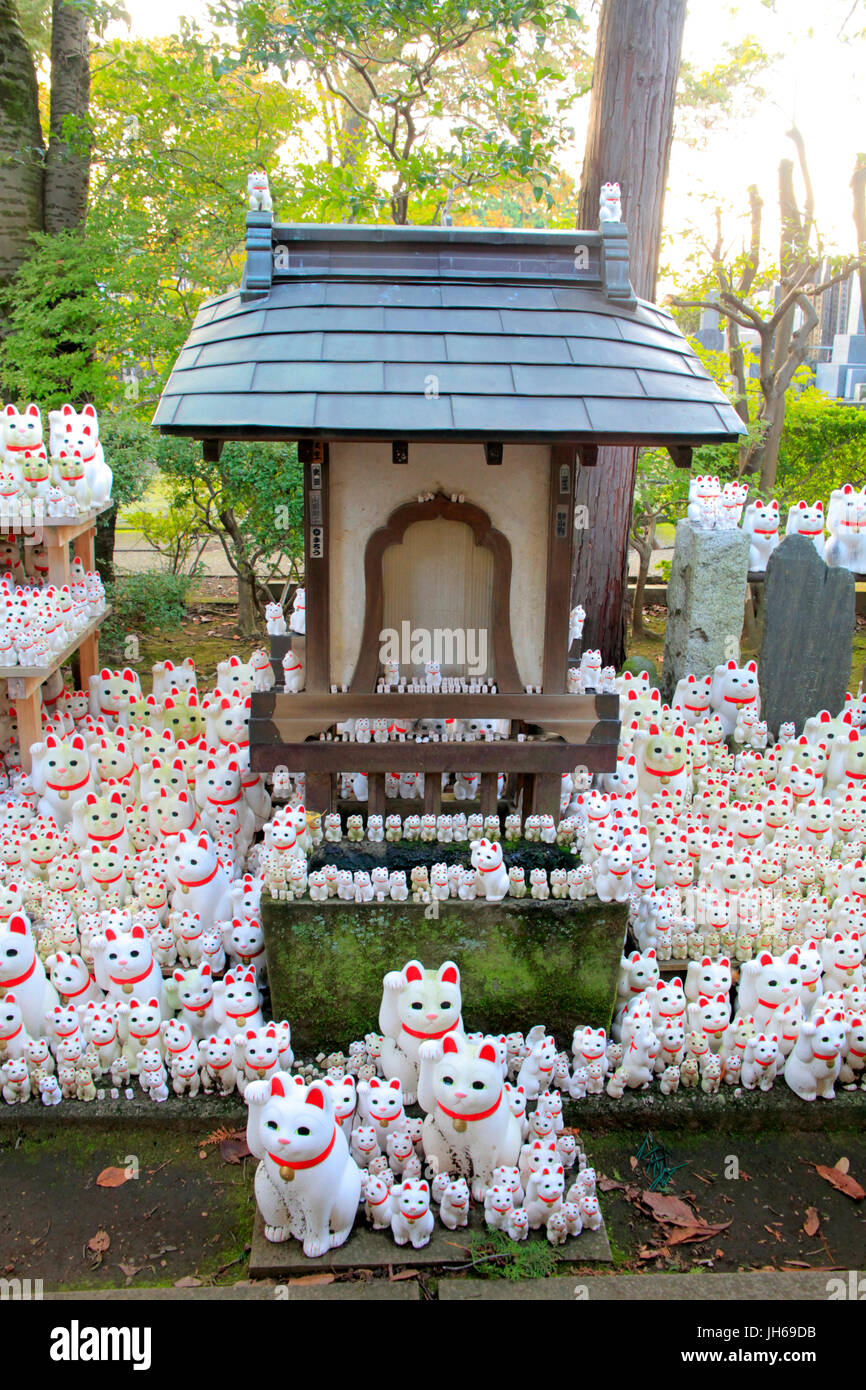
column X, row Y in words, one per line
column 538, row 756
column 433, row 794
column 560, row 558
column 588, row 455
column 433, row 704
column 546, row 789
column 489, row 793
column 376, row 794
column 211, row 450
column 317, row 571
column 681, row 455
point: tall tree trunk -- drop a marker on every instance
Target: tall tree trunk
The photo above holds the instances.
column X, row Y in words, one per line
column 22, row 149
column 631, row 116
column 67, row 169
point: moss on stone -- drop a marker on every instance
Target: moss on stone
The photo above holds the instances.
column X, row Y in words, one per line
column 521, row 962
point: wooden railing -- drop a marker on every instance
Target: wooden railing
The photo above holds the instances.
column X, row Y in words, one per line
column 561, row 733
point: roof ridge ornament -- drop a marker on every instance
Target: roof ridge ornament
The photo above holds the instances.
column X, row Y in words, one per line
column 614, row 247
column 259, row 269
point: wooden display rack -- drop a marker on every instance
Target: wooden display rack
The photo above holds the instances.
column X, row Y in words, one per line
column 24, row 683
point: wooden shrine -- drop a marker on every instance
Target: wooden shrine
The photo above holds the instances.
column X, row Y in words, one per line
column 444, row 385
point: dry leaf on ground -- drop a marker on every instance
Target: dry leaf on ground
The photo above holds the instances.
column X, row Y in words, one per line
column 234, row 1148
column 668, row 1209
column 843, row 1182
column 812, row 1222
column 698, row 1231
column 312, row 1279
column 843, row 1165
column 99, row 1243
column 113, row 1177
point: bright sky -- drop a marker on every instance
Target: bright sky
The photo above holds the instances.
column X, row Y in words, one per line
column 817, row 80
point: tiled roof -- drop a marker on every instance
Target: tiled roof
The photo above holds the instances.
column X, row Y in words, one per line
column 431, row 333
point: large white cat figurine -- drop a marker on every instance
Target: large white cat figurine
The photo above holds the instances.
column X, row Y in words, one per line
column 469, row 1129
column 307, row 1185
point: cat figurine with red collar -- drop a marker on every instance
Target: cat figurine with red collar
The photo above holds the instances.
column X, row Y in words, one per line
column 812, row 1068
column 469, row 1129
column 734, row 689
column 412, row 1220
column 23, row 974
column 761, row 523
column 124, row 966
column 807, row 521
column 417, row 1006
column 61, row 776
column 79, row 431
column 237, row 1002
column 200, row 882
column 380, row 1104
column 307, row 1185
column 217, row 1062
column 491, row 880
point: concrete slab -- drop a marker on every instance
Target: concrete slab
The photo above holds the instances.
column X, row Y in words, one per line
column 776, row 1286
column 366, row 1249
column 404, row 1291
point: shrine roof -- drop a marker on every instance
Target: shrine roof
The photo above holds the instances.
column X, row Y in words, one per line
column 374, row 332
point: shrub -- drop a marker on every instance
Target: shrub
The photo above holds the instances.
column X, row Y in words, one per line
column 148, row 602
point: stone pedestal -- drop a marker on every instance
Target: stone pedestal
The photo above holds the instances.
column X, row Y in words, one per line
column 521, row 962
column 706, row 597
column 805, row 660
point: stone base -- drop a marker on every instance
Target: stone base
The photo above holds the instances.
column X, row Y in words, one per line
column 367, row 1249
column 706, row 598
column 521, row 962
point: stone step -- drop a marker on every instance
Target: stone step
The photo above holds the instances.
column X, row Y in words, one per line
column 367, row 1249
column 403, row 1291
column 770, row 1286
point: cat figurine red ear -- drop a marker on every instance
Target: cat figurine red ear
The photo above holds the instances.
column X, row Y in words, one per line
column 470, row 1128
column 417, row 1006
column 306, row 1182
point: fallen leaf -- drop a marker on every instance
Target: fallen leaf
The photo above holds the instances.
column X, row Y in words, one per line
column 235, row 1148
column 405, row 1274
column 812, row 1222
column 774, row 1233
column 633, row 1162
column 113, row 1177
column 312, row 1279
column 129, row 1271
column 686, row 1234
column 842, row 1164
column 665, row 1208
column 720, row 1254
column 188, row 1282
column 652, row 1252
column 99, row 1243
column 841, row 1181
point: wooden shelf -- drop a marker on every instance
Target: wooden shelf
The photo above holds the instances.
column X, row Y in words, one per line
column 62, row 530
column 34, row 676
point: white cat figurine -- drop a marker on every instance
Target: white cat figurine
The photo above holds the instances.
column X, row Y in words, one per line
column 417, row 1006
column 307, row 1185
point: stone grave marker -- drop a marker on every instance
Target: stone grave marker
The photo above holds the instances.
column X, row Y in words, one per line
column 706, row 597
column 804, row 664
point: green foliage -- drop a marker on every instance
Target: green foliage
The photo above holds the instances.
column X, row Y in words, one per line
column 823, row 446
column 130, row 452
column 529, row 1259
column 173, row 146
column 252, row 501
column 423, row 97
column 55, row 312
column 177, row 536
column 729, row 89
column 152, row 601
